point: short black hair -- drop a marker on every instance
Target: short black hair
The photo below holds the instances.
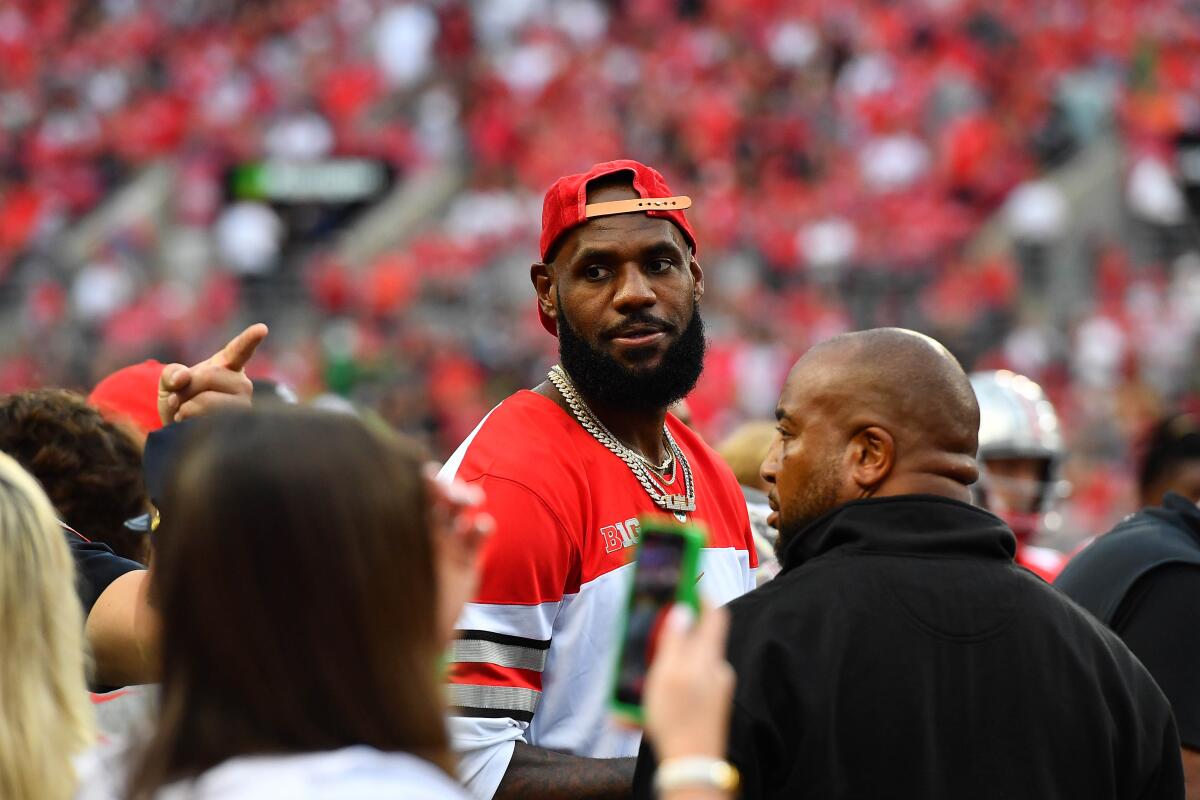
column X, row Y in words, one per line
column 1173, row 440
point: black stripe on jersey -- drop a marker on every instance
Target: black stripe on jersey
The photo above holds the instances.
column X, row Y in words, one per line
column 504, row 638
column 492, row 713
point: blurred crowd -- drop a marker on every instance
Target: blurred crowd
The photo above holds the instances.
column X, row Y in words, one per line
column 842, row 157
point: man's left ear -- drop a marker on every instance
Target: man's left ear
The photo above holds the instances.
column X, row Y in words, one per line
column 697, row 278
column 873, row 454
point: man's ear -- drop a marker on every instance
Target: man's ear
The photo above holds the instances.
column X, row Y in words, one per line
column 872, row 456
column 542, row 276
column 697, row 276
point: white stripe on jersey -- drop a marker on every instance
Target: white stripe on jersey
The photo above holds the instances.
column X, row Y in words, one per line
column 528, row 622
column 480, row 651
column 503, row 698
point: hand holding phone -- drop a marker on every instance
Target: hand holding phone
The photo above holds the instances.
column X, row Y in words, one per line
column 689, row 690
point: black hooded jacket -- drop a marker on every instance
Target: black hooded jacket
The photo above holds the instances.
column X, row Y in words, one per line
column 902, row 653
column 1142, row 579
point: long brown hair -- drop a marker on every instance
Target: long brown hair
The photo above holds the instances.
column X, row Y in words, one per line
column 294, row 572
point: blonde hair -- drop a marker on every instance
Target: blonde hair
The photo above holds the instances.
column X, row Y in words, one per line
column 46, row 717
column 745, row 449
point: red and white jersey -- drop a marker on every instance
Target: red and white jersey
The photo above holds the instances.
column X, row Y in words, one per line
column 536, row 651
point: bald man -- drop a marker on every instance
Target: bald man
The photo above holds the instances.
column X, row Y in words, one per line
column 900, row 652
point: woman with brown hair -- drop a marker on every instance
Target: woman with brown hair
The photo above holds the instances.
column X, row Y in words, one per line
column 307, row 577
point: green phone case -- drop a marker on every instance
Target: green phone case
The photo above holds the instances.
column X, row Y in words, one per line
column 694, row 537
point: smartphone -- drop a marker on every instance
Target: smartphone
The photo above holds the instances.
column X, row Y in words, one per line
column 665, row 573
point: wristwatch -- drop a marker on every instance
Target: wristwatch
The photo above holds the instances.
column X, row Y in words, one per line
column 696, row 771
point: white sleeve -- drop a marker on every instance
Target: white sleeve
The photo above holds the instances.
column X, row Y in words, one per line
column 484, row 748
column 499, row 648
column 502, row 645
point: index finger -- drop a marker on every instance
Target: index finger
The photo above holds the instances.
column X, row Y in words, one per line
column 237, row 353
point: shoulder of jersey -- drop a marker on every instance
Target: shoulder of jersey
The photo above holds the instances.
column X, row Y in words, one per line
column 526, row 438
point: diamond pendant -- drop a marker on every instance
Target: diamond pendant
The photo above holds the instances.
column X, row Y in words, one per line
column 676, row 503
column 682, row 517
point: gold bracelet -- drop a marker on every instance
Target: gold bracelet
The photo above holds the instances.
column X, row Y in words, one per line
column 696, row 771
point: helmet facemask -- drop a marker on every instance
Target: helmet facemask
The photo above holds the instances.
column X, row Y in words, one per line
column 1020, row 453
column 1023, row 491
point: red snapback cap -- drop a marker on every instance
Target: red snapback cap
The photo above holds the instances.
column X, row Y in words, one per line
column 565, row 206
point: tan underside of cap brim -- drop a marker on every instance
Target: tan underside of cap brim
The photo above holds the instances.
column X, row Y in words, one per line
column 637, row 204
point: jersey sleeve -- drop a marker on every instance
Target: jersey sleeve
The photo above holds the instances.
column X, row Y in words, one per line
column 1158, row 621
column 504, row 635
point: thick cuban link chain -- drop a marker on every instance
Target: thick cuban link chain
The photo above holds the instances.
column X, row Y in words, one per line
column 605, row 433
column 674, row 503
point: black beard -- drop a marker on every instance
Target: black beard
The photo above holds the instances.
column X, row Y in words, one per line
column 820, row 497
column 605, row 381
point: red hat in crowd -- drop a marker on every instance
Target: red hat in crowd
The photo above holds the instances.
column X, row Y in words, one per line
column 131, row 394
column 565, row 206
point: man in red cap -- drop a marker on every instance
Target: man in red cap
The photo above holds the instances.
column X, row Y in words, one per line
column 567, row 470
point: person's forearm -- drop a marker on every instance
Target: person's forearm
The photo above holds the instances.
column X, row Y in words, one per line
column 544, row 774
column 123, row 630
column 1191, row 772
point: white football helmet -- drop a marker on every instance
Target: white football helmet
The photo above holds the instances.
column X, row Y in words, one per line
column 1020, row 452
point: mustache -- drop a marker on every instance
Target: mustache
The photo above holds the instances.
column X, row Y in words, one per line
column 638, row 318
